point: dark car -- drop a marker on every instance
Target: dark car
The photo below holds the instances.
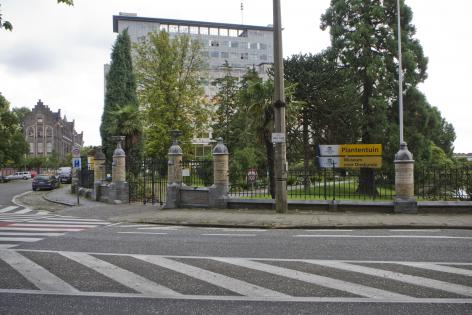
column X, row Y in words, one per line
column 4, row 179
column 45, row 182
column 65, row 178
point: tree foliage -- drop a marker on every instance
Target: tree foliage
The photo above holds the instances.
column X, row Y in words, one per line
column 12, row 142
column 168, row 72
column 120, row 113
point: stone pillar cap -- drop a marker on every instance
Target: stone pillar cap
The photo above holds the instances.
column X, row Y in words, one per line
column 175, row 148
column 403, row 154
column 99, row 155
column 220, row 148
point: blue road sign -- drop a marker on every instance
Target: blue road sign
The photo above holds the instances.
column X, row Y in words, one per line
column 76, row 163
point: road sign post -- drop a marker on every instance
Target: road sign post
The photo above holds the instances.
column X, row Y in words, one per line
column 76, row 166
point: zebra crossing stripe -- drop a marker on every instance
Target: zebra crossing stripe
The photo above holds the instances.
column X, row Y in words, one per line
column 75, row 223
column 23, row 211
column 20, row 239
column 5, row 246
column 38, row 224
column 415, row 280
column 336, row 284
column 36, row 274
column 434, row 267
column 29, row 234
column 8, row 209
column 39, row 229
column 217, row 279
column 125, row 277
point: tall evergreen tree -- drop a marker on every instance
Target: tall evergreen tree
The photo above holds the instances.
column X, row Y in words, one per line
column 121, row 93
column 363, row 38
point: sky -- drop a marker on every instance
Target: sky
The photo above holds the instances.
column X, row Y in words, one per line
column 56, row 52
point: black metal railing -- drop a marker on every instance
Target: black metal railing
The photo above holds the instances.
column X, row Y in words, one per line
column 86, row 177
column 147, row 180
column 197, row 173
column 443, row 183
column 321, row 184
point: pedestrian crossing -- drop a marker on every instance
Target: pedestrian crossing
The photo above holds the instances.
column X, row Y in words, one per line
column 20, row 225
column 233, row 278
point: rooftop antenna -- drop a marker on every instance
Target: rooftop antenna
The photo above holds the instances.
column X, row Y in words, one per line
column 242, row 13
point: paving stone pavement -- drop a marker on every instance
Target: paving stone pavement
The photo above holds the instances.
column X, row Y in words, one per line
column 244, row 217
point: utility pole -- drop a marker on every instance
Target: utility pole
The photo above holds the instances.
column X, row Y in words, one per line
column 279, row 108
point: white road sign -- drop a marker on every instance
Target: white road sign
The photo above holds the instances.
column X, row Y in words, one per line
column 278, row 137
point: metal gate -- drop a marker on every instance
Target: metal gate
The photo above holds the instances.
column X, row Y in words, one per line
column 147, row 180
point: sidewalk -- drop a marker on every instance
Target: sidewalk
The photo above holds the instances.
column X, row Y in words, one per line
column 140, row 213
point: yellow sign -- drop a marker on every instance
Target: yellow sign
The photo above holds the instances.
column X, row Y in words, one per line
column 361, row 161
column 360, row 150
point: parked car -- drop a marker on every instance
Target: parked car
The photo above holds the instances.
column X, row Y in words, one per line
column 19, row 175
column 45, row 181
column 65, row 175
column 4, row 179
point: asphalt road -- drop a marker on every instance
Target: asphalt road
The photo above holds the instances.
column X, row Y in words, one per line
column 12, row 188
column 68, row 265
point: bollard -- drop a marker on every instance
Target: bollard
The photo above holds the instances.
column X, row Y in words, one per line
column 405, row 201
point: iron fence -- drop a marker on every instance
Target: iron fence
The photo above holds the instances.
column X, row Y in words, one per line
column 147, row 180
column 443, row 183
column 86, row 176
column 197, row 173
column 320, row 184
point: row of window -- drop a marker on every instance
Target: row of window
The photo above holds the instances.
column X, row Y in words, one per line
column 41, row 147
column 201, row 30
column 235, row 44
column 227, row 55
column 39, row 132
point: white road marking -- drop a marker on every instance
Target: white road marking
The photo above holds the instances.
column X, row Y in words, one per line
column 20, row 239
column 415, row 280
column 435, row 267
column 31, row 234
column 125, row 277
column 166, row 228
column 336, row 284
column 23, row 211
column 416, row 230
column 234, row 230
column 5, row 246
column 133, row 225
column 229, row 234
column 145, row 233
column 74, row 223
column 217, row 279
column 329, row 230
column 246, row 298
column 8, row 209
column 382, row 236
column 36, row 274
column 54, row 225
column 39, row 229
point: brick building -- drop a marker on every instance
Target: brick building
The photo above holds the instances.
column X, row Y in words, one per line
column 47, row 132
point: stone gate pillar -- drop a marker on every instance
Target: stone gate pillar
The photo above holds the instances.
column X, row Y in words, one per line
column 118, row 191
column 174, row 172
column 218, row 193
column 405, row 201
column 98, row 173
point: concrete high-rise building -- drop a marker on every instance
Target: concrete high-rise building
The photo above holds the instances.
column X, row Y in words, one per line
column 242, row 46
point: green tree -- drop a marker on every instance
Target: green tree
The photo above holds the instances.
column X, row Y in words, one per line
column 168, row 72
column 120, row 98
column 226, row 101
column 12, row 142
column 364, row 40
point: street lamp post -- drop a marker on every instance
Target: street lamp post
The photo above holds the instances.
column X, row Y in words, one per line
column 405, row 201
column 279, row 108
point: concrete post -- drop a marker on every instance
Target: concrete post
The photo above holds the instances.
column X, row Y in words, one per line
column 174, row 173
column 405, row 201
column 98, row 173
column 218, row 192
column 118, row 191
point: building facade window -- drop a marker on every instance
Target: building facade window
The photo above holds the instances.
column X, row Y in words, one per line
column 40, row 147
column 40, row 132
column 49, row 147
column 31, row 147
column 48, row 132
column 215, row 54
column 30, row 132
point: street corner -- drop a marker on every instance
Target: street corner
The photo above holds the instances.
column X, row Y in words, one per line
column 35, row 200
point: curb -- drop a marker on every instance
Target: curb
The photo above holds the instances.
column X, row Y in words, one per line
column 312, row 227
column 46, row 197
column 15, row 201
